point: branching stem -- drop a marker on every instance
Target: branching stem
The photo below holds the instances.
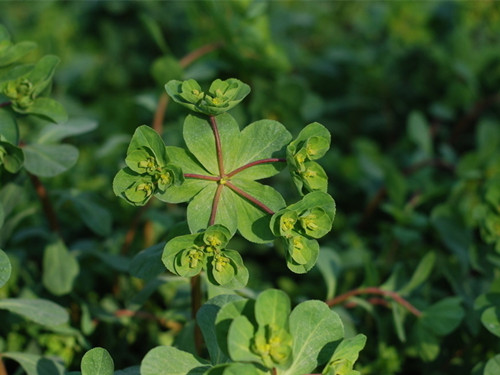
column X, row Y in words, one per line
column 374, row 290
column 201, row 177
column 218, row 146
column 215, row 204
column 257, row 162
column 244, row 194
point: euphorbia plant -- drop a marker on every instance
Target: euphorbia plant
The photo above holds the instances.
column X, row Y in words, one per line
column 218, row 174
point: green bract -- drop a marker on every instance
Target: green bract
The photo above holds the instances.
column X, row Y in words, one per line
column 300, row 224
column 188, row 255
column 311, row 144
column 148, row 170
column 220, row 98
column 27, row 91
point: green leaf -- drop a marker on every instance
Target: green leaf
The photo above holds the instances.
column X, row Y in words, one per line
column 36, row 365
column 60, row 268
column 206, row 318
column 253, row 222
column 240, row 278
column 345, row 355
column 176, row 246
column 15, row 52
column 235, row 368
column 56, row 132
column 199, row 209
column 301, row 249
column 427, row 343
column 8, row 126
column 493, row 366
column 94, row 215
column 11, row 157
column 200, row 140
column 5, row 268
column 49, row 160
column 97, row 361
column 49, row 108
column 145, row 136
column 239, row 340
column 229, row 312
column 147, row 264
column 261, row 140
column 313, row 326
column 491, row 320
column 165, row 69
column 329, row 266
column 419, row 133
column 421, row 273
column 37, row 310
column 272, row 307
column 167, row 360
column 43, row 72
column 443, row 317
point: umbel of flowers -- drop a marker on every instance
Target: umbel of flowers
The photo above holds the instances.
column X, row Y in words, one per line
column 218, row 174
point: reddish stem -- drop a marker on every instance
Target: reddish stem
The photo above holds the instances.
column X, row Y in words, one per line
column 215, row 204
column 3, row 370
column 44, row 198
column 5, row 104
column 249, row 197
column 196, row 54
column 257, row 162
column 159, row 115
column 201, row 177
column 374, row 290
column 218, row 146
column 195, row 306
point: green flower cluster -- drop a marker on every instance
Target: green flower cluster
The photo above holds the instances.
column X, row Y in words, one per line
column 148, row 170
column 311, row 144
column 273, row 344
column 220, row 98
column 300, row 225
column 190, row 254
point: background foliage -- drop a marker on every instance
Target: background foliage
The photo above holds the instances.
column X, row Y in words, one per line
column 409, row 92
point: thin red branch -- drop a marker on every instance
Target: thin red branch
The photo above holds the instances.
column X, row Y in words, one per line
column 218, row 146
column 195, row 306
column 198, row 53
column 5, row 104
column 47, row 206
column 215, row 204
column 3, row 370
column 257, row 162
column 159, row 115
column 255, row 201
column 201, row 177
column 374, row 290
